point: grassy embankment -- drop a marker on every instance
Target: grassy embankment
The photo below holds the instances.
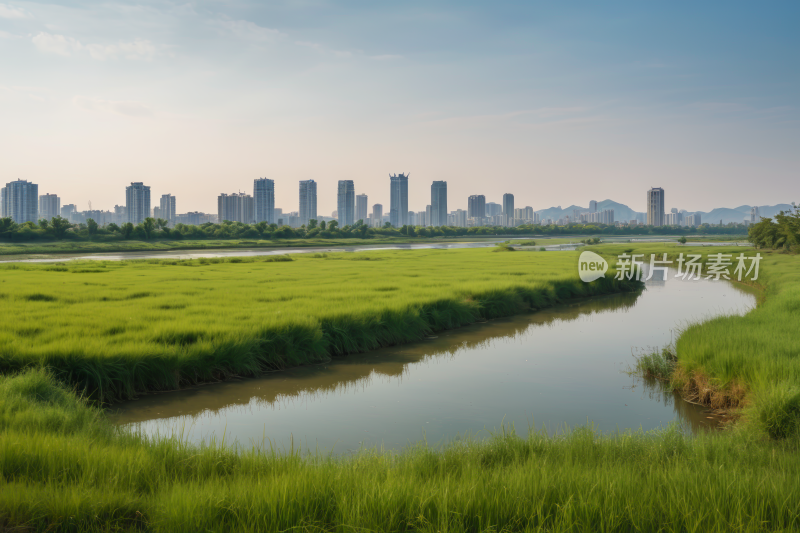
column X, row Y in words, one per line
column 751, row 361
column 116, row 328
column 56, row 248
column 64, row 467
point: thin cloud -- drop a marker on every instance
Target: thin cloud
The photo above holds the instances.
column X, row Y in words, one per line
column 539, row 116
column 249, row 31
column 126, row 108
column 10, row 12
column 140, row 49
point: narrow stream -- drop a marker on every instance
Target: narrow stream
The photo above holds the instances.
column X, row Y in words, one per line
column 557, row 367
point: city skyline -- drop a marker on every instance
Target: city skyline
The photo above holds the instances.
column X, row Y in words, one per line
column 522, row 95
column 18, row 203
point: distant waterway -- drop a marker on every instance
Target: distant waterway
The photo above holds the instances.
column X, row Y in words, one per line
column 558, row 367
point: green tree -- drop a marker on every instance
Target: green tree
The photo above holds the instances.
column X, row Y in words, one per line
column 313, row 224
column 59, row 227
column 332, row 225
column 44, row 223
column 682, row 240
column 113, row 228
column 127, row 230
column 92, row 226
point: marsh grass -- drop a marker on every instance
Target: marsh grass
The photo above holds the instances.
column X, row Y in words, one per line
column 65, row 468
column 752, row 361
column 119, row 328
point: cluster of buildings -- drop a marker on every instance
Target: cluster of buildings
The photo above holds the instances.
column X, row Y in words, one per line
column 656, row 215
column 20, row 200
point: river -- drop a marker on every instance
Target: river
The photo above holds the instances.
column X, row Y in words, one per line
column 556, row 368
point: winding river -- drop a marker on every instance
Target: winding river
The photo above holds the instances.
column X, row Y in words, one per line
column 556, row 368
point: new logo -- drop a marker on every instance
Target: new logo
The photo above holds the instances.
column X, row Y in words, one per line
column 591, row 266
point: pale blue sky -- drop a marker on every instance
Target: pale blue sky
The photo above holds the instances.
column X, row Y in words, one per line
column 558, row 103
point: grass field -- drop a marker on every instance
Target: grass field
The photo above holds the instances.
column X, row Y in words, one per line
column 59, row 248
column 84, row 247
column 115, row 328
column 132, row 325
column 750, row 361
column 65, row 469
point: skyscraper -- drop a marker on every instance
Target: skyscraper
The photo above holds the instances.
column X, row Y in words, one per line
column 308, row 201
column 655, row 207
column 476, row 206
column 236, row 207
column 593, row 206
column 398, row 200
column 346, row 203
column 68, row 212
column 20, row 201
column 264, row 200
column 438, row 204
column 49, row 206
column 137, row 202
column 754, row 215
column 377, row 215
column 508, row 208
column 167, row 208
column 361, row 208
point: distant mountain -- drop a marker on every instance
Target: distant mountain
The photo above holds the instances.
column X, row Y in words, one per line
column 625, row 213
column 621, row 211
column 738, row 214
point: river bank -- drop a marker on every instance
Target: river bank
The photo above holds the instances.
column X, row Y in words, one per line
column 66, row 468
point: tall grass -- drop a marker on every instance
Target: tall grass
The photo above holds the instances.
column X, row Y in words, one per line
column 65, row 469
column 118, row 328
column 750, row 361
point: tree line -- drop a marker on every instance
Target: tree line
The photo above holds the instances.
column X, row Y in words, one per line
column 59, row 229
column 781, row 232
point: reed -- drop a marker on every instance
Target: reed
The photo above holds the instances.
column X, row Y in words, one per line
column 114, row 329
column 65, row 469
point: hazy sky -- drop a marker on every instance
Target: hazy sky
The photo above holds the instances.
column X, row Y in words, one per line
column 558, row 102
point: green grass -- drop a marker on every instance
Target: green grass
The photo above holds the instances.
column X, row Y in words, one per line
column 84, row 247
column 118, row 328
column 750, row 361
column 136, row 325
column 65, row 469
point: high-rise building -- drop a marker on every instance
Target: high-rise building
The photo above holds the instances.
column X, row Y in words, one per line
column 754, row 216
column 361, row 208
column 20, row 201
column 398, row 200
column 493, row 209
column 428, row 211
column 346, row 203
column 476, row 206
column 655, row 207
column 508, row 208
column 236, row 207
column 377, row 215
column 264, row 200
column 693, row 220
column 137, row 202
column 308, row 201
column 69, row 210
column 49, row 206
column 167, row 208
column 438, row 204
column 593, row 206
column 460, row 218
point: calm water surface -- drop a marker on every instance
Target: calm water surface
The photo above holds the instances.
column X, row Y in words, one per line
column 562, row 366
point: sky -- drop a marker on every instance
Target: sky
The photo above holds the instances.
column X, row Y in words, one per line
column 558, row 103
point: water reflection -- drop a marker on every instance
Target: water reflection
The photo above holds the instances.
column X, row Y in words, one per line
column 559, row 366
